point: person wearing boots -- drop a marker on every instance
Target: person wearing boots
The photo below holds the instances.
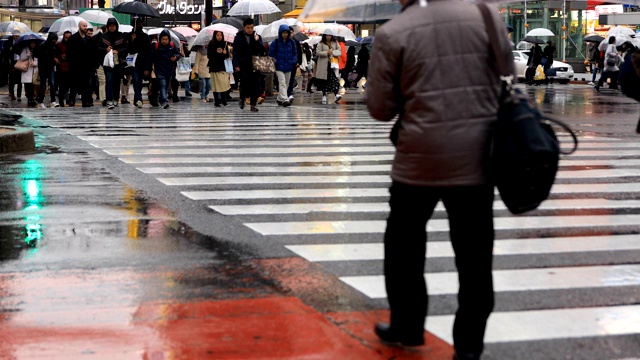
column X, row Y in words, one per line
column 217, row 52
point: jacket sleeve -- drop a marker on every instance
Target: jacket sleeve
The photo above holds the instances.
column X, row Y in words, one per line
column 336, row 50
column 322, row 53
column 272, row 49
column 383, row 96
column 236, row 57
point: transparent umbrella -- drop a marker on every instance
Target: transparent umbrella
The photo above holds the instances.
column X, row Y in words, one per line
column 336, row 29
column 156, row 31
column 96, row 17
column 615, row 31
column 353, row 11
column 270, row 32
column 185, row 30
column 253, row 7
column 67, row 23
column 8, row 27
column 205, row 35
column 540, row 32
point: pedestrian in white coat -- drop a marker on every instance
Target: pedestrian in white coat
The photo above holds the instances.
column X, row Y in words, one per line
column 27, row 77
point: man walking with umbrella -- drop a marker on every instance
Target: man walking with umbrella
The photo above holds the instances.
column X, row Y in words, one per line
column 140, row 44
column 81, row 52
column 246, row 45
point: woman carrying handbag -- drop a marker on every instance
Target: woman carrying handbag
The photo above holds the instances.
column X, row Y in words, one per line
column 218, row 52
column 27, row 77
column 328, row 52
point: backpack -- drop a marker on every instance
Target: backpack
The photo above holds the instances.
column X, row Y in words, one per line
column 170, row 43
column 630, row 75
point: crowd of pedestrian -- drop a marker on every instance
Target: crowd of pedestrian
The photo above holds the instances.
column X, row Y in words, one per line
column 101, row 65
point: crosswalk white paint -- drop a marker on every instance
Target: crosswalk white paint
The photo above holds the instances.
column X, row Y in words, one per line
column 441, row 249
column 271, row 169
column 446, row 283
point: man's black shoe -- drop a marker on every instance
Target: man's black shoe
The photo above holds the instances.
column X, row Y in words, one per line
column 386, row 334
column 465, row 357
column 176, row 99
column 123, row 100
column 241, row 103
column 104, row 102
column 87, row 104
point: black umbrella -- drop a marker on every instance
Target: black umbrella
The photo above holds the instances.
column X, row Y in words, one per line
column 509, row 28
column 533, row 40
column 233, row 21
column 24, row 41
column 593, row 38
column 137, row 8
column 300, row 37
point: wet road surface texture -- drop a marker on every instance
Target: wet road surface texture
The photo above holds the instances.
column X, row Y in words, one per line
column 192, row 233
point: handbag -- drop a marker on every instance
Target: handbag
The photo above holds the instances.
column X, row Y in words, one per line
column 131, row 60
column 36, row 78
column 22, row 65
column 183, row 66
column 108, row 60
column 263, row 64
column 524, row 150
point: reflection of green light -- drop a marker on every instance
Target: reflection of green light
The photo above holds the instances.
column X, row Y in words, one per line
column 34, row 233
column 33, row 189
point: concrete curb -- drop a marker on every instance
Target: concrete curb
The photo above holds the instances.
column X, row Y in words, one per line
column 16, row 140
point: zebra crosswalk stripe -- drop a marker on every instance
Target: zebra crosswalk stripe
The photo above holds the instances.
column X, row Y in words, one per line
column 290, row 177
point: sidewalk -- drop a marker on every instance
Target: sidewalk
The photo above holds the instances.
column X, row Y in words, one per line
column 92, row 268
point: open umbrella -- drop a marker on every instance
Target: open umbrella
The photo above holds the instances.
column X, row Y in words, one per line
column 156, row 31
column 540, row 32
column 253, row 7
column 621, row 30
column 259, row 28
column 185, row 30
column 270, row 32
column 125, row 28
column 205, row 35
column 593, row 38
column 96, row 17
column 336, row 29
column 350, row 11
column 620, row 39
column 8, row 27
column 137, row 8
column 367, row 40
column 314, row 40
column 532, row 40
column 300, row 37
column 233, row 21
column 67, row 23
column 24, row 39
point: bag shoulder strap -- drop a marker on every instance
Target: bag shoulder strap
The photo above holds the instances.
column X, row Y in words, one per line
column 503, row 68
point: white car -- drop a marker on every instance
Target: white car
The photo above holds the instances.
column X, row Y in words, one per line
column 564, row 71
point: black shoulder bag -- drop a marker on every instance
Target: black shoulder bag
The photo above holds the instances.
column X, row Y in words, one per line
column 525, row 150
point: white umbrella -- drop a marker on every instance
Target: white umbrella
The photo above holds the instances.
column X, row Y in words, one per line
column 259, row 29
column 253, row 7
column 336, row 30
column 185, row 30
column 96, row 17
column 618, row 30
column 205, row 35
column 620, row 39
column 271, row 31
column 156, row 31
column 125, row 28
column 8, row 27
column 67, row 23
column 540, row 32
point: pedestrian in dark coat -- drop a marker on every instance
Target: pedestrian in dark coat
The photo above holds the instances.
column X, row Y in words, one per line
column 62, row 73
column 362, row 68
column 113, row 41
column 140, row 44
column 9, row 61
column 442, row 154
column 81, row 50
column 246, row 45
column 163, row 58
column 217, row 53
column 547, row 55
column 45, row 53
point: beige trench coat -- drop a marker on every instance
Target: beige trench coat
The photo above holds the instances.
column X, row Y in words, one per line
column 322, row 51
column 200, row 66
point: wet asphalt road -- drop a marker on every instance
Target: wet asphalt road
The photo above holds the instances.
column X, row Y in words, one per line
column 72, row 212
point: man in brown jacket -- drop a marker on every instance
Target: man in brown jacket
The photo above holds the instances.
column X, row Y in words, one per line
column 445, row 116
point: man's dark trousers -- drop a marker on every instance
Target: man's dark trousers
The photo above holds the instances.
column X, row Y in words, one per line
column 470, row 214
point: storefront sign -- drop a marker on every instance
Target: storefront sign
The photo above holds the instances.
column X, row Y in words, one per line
column 166, row 8
column 609, row 9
